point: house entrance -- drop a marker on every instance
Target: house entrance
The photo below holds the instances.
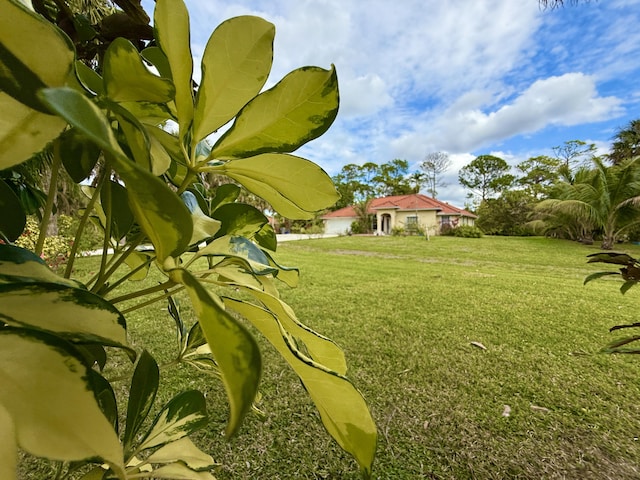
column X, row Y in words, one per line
column 385, row 223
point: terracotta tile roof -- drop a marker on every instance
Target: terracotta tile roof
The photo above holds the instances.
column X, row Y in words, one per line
column 415, row 201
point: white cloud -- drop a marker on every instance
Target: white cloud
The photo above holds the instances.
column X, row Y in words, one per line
column 565, row 100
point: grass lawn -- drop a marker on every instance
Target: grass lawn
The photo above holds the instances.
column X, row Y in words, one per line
column 406, row 310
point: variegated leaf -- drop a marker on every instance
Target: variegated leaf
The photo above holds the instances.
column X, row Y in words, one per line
column 183, row 415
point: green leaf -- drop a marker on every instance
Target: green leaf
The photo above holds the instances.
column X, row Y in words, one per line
column 611, row 257
column 236, row 246
column 79, row 154
column 320, row 348
column 140, row 262
column 627, row 285
column 342, row 408
column 54, row 410
column 235, row 66
column 298, row 109
column 126, row 79
column 72, row 313
column 96, row 473
column 184, row 414
column 232, row 346
column 239, row 219
column 13, row 220
column 142, row 393
column 24, row 131
column 204, row 227
column 178, row 471
column 614, row 347
column 106, row 398
column 294, row 187
column 158, row 210
column 21, row 265
column 227, row 193
column 8, row 446
column 171, row 23
column 89, row 78
column 184, row 451
column 121, row 215
column 27, row 66
column 595, row 276
column 288, row 275
column 195, row 337
column 266, row 238
column 156, row 57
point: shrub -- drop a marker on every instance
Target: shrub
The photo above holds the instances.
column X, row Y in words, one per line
column 467, row 231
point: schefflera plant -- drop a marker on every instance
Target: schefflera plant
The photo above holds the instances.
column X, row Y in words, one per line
column 58, row 333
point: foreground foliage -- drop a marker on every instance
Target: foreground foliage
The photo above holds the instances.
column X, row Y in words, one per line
column 106, row 124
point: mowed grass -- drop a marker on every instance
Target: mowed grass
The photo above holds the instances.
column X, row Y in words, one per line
column 406, row 310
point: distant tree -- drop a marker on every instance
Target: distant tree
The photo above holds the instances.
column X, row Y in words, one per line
column 538, row 175
column 416, row 181
column 486, row 176
column 575, row 153
column 433, row 165
column 626, row 143
column 508, row 214
column 354, row 184
column 392, row 178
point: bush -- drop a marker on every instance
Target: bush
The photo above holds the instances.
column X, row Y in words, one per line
column 467, row 231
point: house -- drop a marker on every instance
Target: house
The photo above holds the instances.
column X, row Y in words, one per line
column 401, row 211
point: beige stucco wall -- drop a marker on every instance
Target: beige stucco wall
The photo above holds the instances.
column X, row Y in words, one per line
column 426, row 218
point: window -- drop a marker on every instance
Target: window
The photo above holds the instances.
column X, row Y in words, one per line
column 412, row 220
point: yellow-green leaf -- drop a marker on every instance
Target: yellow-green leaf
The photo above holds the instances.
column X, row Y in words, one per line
column 320, row 348
column 54, row 410
column 89, row 78
column 30, row 65
column 126, row 79
column 294, row 186
column 8, row 446
column 24, row 131
column 72, row 313
column 184, row 414
column 342, row 408
column 183, row 450
column 171, row 23
column 235, row 66
column 140, row 262
column 21, row 265
column 232, row 346
column 204, row 227
column 298, row 109
column 158, row 210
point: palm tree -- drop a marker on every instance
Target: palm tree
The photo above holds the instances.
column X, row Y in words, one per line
column 605, row 198
column 626, row 143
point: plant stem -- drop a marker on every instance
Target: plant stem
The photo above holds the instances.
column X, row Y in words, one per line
column 125, row 277
column 153, row 300
column 115, row 264
column 140, row 293
column 82, row 225
column 105, row 201
column 51, row 196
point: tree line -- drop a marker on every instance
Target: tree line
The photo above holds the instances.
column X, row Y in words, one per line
column 572, row 194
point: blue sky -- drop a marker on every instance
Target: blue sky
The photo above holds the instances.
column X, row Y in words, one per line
column 467, row 77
